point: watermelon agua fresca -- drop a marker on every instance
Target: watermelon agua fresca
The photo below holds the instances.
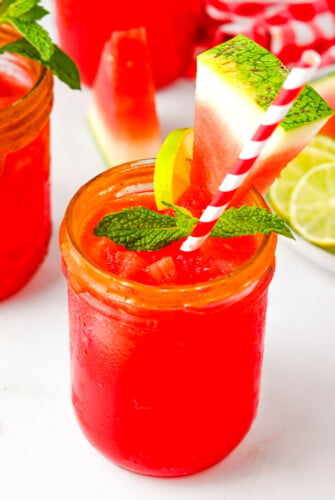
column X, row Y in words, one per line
column 231, row 97
column 122, row 113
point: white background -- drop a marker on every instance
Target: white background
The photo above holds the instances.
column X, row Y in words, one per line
column 290, row 450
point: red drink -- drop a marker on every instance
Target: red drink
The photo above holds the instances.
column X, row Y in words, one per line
column 165, row 378
column 25, row 105
column 171, row 30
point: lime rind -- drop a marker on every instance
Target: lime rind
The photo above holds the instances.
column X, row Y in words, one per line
column 320, row 150
column 281, row 191
column 173, row 166
column 312, row 206
column 305, row 193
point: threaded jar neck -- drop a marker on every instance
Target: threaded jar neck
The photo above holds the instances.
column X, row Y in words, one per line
column 22, row 120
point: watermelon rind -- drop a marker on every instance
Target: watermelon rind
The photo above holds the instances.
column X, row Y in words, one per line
column 236, row 82
column 120, row 149
column 122, row 113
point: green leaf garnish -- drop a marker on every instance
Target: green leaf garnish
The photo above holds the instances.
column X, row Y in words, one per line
column 34, row 14
column 249, row 220
column 36, row 43
column 36, row 35
column 140, row 228
column 17, row 8
column 59, row 63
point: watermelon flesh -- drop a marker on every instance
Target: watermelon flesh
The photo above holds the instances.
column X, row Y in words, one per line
column 235, row 84
column 122, row 113
column 325, row 86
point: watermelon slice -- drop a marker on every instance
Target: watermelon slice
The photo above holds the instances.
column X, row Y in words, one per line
column 325, row 86
column 235, row 84
column 122, row 113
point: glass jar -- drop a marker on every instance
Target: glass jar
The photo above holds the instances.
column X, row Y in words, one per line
column 165, row 379
column 26, row 95
column 172, row 28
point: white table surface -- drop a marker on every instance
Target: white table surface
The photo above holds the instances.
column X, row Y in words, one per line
column 290, row 450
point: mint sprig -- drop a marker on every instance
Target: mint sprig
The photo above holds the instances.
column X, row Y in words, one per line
column 36, row 43
column 140, row 228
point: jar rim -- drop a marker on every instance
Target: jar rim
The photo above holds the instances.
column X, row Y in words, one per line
column 21, row 120
column 42, row 74
column 107, row 282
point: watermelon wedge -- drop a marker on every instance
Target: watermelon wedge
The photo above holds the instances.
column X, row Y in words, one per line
column 235, row 84
column 325, row 86
column 122, row 113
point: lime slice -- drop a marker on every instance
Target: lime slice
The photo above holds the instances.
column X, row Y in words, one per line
column 316, row 153
column 173, row 166
column 312, row 206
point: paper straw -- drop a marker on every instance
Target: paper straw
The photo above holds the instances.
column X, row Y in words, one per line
column 295, row 81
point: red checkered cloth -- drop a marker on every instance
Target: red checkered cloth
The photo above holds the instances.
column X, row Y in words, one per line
column 286, row 29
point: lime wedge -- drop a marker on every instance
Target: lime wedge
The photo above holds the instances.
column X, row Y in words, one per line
column 312, row 205
column 173, row 165
column 320, row 150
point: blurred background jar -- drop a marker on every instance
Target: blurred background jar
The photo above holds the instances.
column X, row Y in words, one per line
column 26, row 94
column 172, row 29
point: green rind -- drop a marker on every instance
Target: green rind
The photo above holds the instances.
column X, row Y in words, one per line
column 237, row 61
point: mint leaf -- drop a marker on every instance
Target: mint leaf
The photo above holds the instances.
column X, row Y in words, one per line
column 5, row 4
column 59, row 63
column 249, row 220
column 20, row 7
column 64, row 68
column 140, row 228
column 34, row 14
column 36, row 43
column 37, row 36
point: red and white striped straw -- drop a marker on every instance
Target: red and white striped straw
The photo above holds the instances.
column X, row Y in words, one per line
column 295, row 81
